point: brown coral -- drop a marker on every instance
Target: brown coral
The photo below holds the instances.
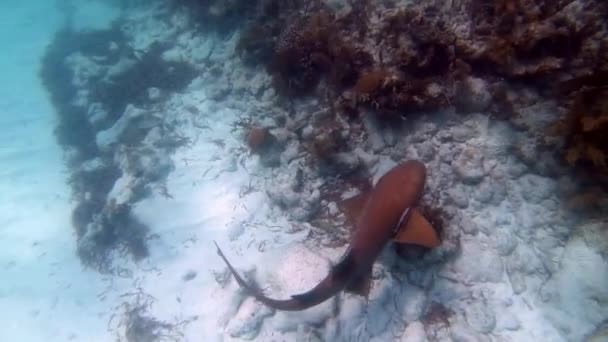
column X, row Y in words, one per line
column 257, row 138
column 587, row 143
column 301, row 54
column 418, row 57
column 389, row 93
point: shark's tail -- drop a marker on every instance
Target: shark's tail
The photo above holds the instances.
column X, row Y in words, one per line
column 326, row 289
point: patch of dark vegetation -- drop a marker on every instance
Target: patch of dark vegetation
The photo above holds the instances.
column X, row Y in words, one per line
column 91, row 203
column 436, row 317
column 585, row 125
column 74, row 130
column 92, row 77
column 258, row 38
column 132, row 85
column 135, row 324
column 111, row 228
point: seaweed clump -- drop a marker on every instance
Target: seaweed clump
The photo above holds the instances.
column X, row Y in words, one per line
column 145, row 72
column 301, row 43
column 534, row 40
column 93, row 77
column 74, row 130
column 309, row 49
column 390, row 94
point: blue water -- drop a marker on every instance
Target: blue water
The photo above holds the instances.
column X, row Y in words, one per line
column 108, row 212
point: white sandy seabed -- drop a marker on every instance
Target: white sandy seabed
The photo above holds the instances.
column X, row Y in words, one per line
column 518, row 268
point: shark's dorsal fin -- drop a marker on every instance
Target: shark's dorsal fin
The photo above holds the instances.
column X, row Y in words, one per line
column 418, row 231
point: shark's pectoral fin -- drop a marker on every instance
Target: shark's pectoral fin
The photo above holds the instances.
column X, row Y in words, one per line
column 361, row 285
column 418, row 231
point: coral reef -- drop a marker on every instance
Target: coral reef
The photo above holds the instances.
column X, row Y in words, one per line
column 471, row 55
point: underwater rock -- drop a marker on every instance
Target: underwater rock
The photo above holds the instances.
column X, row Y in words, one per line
column 467, row 225
column 411, row 302
column 585, row 270
column 346, row 162
column 291, row 152
column 535, row 189
column 469, row 166
column 525, row 260
column 151, row 164
column 124, row 189
column 488, row 265
column 368, row 159
column 459, row 196
column 516, row 169
column 131, row 127
column 461, row 332
column 460, row 134
column 480, row 317
column 426, row 151
column 518, row 281
column 375, row 137
column 414, row 332
column 96, row 115
column 504, row 241
column 248, row 320
column 508, row 321
column 484, row 192
column 154, row 94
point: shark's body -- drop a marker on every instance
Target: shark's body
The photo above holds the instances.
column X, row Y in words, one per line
column 385, row 216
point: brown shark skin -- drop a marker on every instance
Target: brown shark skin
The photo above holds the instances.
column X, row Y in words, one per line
column 396, row 191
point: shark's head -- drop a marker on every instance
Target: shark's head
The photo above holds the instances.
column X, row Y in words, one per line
column 396, row 192
column 405, row 182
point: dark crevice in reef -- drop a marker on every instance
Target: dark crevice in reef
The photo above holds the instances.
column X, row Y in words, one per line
column 102, row 225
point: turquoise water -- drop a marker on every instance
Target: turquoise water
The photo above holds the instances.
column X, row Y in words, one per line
column 135, row 135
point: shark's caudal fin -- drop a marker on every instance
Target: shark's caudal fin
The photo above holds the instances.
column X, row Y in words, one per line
column 328, row 287
column 418, row 231
column 237, row 277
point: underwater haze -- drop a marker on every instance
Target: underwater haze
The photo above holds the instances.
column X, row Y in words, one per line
column 371, row 170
